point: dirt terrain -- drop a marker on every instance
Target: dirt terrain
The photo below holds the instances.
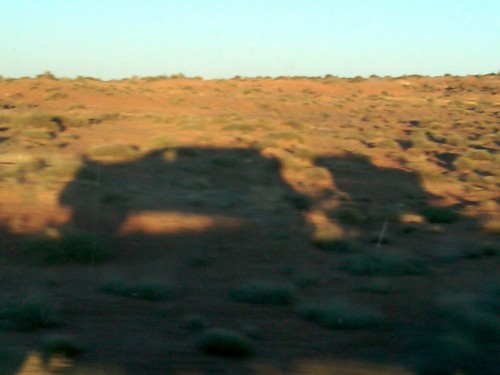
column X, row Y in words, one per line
column 254, row 225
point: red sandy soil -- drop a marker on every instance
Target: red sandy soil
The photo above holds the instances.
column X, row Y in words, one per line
column 248, row 174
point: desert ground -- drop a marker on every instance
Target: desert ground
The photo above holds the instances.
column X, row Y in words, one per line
column 290, row 225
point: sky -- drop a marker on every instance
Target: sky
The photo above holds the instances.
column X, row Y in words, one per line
column 112, row 39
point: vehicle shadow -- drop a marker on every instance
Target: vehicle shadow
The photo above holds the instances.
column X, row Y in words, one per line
column 206, row 219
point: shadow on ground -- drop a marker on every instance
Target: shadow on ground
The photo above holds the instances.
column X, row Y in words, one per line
column 205, row 219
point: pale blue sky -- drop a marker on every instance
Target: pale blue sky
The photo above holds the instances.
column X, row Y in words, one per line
column 223, row 38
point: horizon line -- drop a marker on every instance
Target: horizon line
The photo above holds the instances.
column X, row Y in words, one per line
column 49, row 75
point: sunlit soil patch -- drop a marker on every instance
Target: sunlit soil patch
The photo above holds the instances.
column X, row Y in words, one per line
column 175, row 222
column 37, row 363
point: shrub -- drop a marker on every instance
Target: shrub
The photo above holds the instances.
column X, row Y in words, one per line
column 252, row 331
column 49, row 122
column 81, row 248
column 456, row 140
column 265, row 293
column 197, row 259
column 484, row 249
column 47, row 75
column 38, row 120
column 195, row 323
column 4, row 120
column 56, row 96
column 77, row 122
column 61, row 169
column 306, row 279
column 224, row 161
column 384, row 264
column 464, row 164
column 350, row 215
column 472, row 314
column 299, row 201
column 479, row 155
column 225, row 343
column 31, row 165
column 31, row 313
column 490, row 225
column 115, row 152
column 340, row 314
column 62, row 344
column 111, row 117
column 286, row 136
column 295, row 124
column 420, row 141
column 77, row 106
column 148, row 290
column 163, row 141
column 38, row 134
column 437, row 215
column 340, row 246
column 378, row 286
column 239, row 127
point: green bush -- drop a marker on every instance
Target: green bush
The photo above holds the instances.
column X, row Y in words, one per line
column 31, row 165
column 115, row 152
column 148, row 290
column 350, row 215
column 62, row 344
column 456, row 140
column 61, row 169
column 490, row 225
column 225, row 343
column 163, row 141
column 111, row 117
column 48, row 122
column 38, row 134
column 239, row 127
column 195, row 323
column 38, row 120
column 340, row 314
column 464, row 164
column 478, row 155
column 334, row 245
column 47, row 75
column 295, row 124
column 306, row 279
column 4, row 120
column 265, row 293
column 483, row 250
column 299, row 201
column 80, row 248
column 384, row 264
column 31, row 313
column 224, row 161
column 56, row 96
column 286, row 136
column 438, row 215
column 378, row 285
column 474, row 315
